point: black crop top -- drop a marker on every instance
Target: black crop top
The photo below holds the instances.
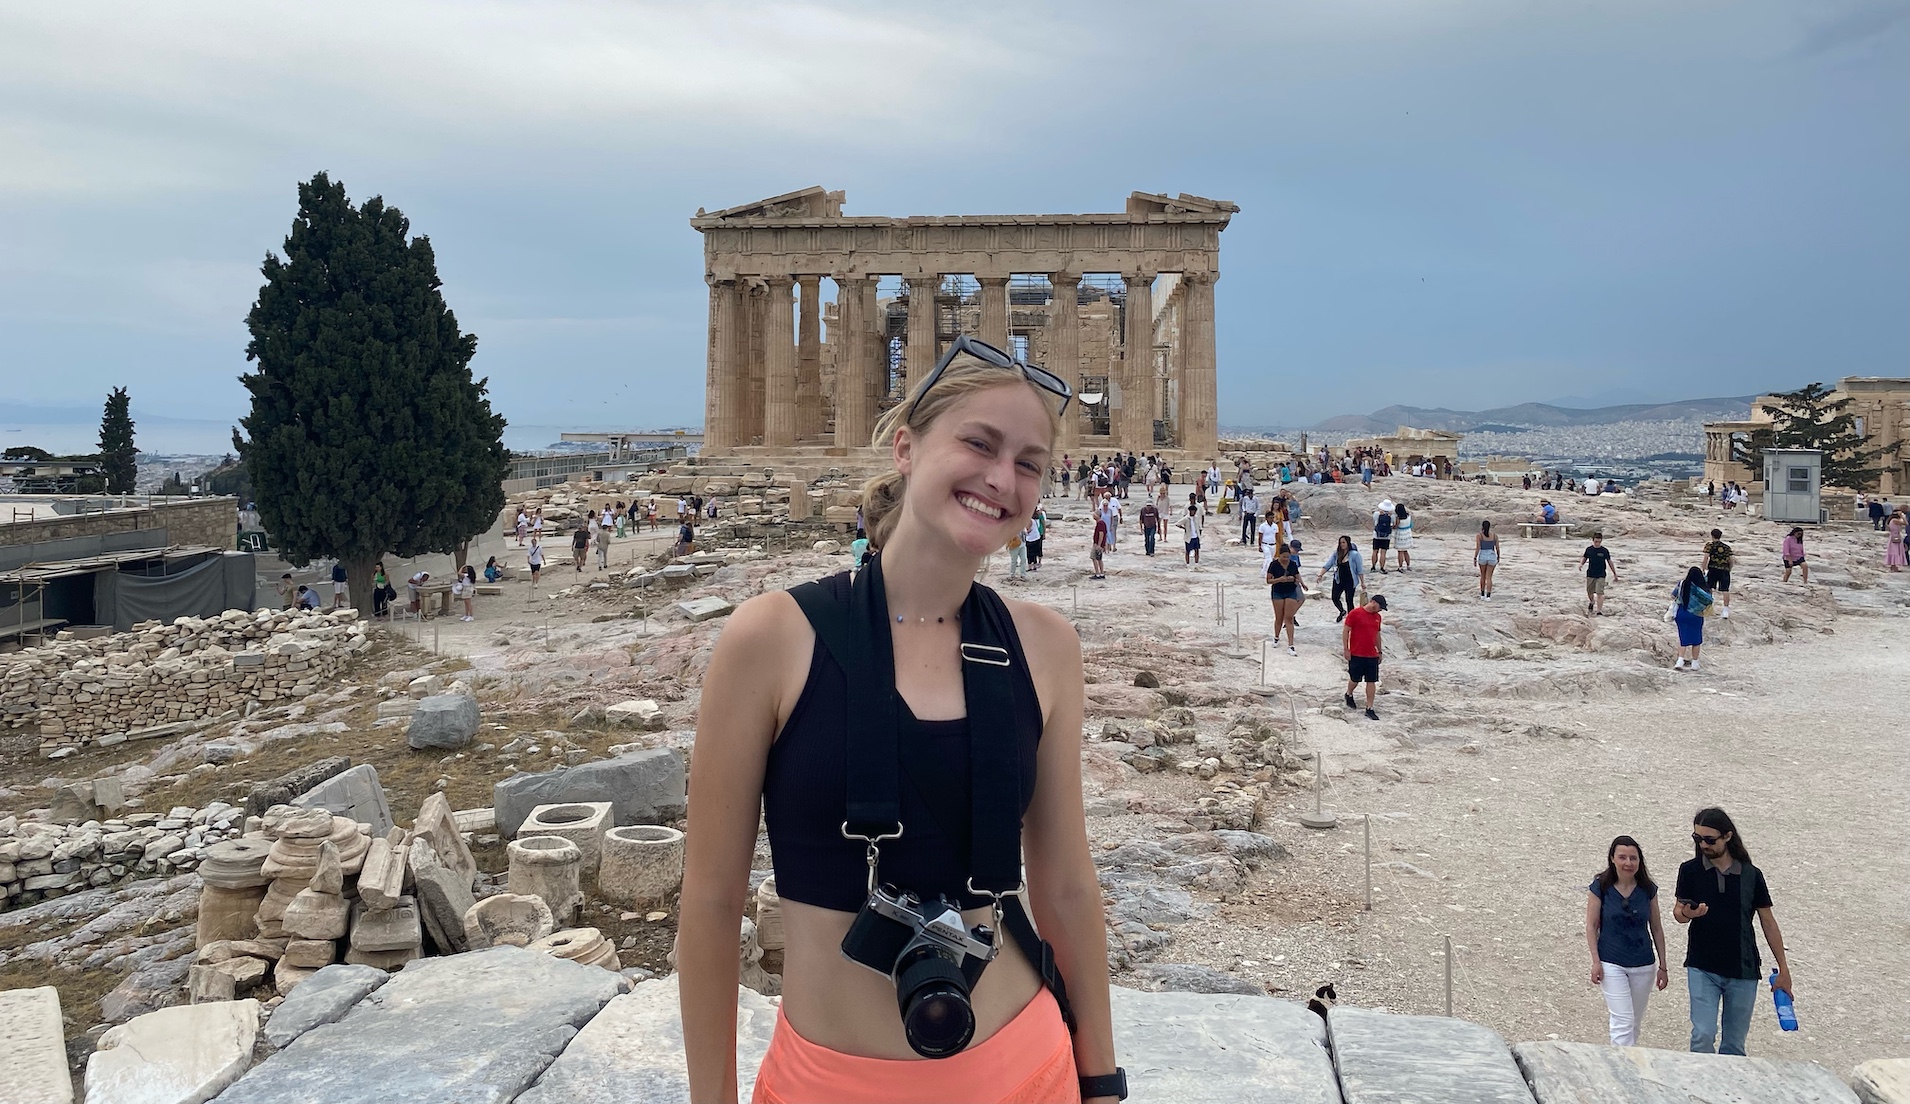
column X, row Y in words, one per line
column 805, row 794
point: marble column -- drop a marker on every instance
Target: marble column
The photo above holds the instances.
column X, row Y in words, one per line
column 1199, row 400
column 994, row 327
column 874, row 353
column 1064, row 345
column 756, row 353
column 809, row 408
column 922, row 352
column 1135, row 432
column 854, row 408
column 729, row 380
column 779, row 366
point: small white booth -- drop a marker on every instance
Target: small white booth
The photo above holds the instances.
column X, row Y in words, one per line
column 1792, row 481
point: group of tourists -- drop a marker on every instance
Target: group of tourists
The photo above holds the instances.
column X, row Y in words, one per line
column 1115, row 475
column 1893, row 523
column 1731, row 496
column 617, row 517
column 1717, row 896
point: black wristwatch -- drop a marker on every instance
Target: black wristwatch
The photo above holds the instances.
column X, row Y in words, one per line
column 1107, row 1084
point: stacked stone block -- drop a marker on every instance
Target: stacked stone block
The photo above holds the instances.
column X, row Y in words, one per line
column 40, row 860
column 103, row 691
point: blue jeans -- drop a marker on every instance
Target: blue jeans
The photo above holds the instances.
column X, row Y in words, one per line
column 1149, row 534
column 1738, row 997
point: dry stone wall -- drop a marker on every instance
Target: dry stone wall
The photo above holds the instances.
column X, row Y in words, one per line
column 72, row 693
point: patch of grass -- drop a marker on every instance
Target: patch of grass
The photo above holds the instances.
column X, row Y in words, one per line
column 80, row 990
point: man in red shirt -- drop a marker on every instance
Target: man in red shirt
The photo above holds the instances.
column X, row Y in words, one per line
column 1359, row 643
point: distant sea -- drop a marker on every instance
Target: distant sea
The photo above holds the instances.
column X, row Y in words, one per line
column 184, row 437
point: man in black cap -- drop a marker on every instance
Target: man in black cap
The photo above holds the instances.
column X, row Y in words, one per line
column 1359, row 643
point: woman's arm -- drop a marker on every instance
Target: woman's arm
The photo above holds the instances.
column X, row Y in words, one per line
column 1594, row 920
column 1658, row 938
column 1062, row 885
column 733, row 732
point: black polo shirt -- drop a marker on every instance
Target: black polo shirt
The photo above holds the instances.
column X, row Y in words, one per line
column 1723, row 941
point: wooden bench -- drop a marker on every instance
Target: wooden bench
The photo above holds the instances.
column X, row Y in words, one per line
column 1540, row 528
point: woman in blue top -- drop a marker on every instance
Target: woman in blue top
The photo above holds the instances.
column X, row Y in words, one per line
column 1690, row 603
column 1621, row 929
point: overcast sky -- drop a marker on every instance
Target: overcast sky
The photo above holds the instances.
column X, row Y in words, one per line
column 1443, row 202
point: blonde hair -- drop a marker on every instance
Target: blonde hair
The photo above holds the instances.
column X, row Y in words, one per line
column 883, row 495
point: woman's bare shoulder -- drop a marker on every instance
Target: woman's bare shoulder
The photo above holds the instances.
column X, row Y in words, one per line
column 769, row 622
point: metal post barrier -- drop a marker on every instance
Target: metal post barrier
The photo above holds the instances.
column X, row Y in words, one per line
column 1369, row 861
column 1449, row 975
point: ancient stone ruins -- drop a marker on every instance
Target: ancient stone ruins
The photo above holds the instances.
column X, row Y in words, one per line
column 779, row 384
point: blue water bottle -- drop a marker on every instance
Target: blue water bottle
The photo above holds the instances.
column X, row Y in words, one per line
column 1786, row 1011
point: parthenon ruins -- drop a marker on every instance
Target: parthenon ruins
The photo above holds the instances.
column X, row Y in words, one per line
column 1120, row 305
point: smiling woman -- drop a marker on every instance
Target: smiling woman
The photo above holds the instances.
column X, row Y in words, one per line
column 907, row 429
column 913, row 743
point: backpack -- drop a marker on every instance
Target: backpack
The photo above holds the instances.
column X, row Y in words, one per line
column 1384, row 526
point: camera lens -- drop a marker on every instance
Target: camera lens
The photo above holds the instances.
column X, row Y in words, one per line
column 933, row 995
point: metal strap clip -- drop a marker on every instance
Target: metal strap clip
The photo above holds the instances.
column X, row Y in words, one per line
column 985, row 653
column 996, row 898
column 874, row 850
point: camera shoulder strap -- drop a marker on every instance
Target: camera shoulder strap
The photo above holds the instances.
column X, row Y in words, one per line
column 996, row 687
column 857, row 635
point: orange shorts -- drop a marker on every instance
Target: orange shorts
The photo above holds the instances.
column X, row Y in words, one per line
column 1029, row 1061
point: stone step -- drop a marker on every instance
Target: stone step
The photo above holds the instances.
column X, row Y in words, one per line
column 1567, row 1073
column 479, row 1026
column 1189, row 1048
column 34, row 1041
column 1388, row 1059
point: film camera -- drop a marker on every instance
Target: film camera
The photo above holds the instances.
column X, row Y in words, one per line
column 934, row 960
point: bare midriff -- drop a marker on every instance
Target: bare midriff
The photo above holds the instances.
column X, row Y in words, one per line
column 851, row 1009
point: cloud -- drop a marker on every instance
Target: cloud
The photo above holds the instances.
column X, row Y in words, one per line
column 1854, row 24
column 134, row 96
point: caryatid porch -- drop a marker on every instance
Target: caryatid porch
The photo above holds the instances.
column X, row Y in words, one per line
column 1076, row 294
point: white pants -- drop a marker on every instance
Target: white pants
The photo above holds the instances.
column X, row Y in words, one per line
column 1626, row 989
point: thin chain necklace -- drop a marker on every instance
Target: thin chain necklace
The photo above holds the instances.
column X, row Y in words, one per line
column 901, row 620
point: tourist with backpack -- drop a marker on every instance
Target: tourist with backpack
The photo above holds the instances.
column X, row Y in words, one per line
column 1382, row 534
column 1690, row 605
column 1718, row 559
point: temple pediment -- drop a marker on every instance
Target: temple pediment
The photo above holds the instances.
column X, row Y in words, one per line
column 812, row 202
column 1148, row 203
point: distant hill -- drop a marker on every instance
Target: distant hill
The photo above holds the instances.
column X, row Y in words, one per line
column 1529, row 415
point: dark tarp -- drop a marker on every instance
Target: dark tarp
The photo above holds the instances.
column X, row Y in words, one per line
column 206, row 588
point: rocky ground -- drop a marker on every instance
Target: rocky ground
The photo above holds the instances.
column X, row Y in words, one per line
column 1516, row 737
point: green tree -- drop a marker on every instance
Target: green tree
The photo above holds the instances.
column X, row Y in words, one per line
column 367, row 434
column 119, row 460
column 1808, row 418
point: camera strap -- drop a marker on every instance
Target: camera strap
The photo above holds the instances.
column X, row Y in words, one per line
column 996, row 687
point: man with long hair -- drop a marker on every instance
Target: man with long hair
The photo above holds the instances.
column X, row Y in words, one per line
column 1718, row 893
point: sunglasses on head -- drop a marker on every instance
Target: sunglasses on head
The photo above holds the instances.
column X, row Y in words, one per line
column 988, row 354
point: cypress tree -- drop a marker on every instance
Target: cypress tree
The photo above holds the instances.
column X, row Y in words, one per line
column 367, row 434
column 119, row 460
